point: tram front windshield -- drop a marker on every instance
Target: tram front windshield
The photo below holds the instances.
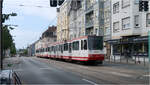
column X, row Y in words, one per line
column 95, row 43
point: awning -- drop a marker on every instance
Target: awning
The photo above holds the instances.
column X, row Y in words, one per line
column 141, row 39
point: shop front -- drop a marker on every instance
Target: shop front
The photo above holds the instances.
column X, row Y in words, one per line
column 130, row 46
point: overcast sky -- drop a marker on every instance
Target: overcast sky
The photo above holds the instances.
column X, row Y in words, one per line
column 31, row 19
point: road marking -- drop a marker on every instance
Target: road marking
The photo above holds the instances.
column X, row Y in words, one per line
column 146, row 75
column 82, row 67
column 120, row 74
column 45, row 68
column 89, row 81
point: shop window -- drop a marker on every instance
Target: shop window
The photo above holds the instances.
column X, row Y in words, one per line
column 146, row 48
column 116, row 49
column 138, row 48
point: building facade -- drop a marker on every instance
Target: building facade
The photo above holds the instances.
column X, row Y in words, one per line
column 79, row 18
column 76, row 18
column 107, row 26
column 129, row 31
column 62, row 22
column 31, row 50
column 48, row 37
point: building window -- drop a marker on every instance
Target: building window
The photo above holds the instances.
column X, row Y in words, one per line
column 115, row 26
column 136, row 1
column 126, row 23
column 136, row 21
column 107, row 31
column 125, row 3
column 148, row 20
column 116, row 8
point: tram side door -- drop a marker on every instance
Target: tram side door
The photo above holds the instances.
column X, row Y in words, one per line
column 70, row 49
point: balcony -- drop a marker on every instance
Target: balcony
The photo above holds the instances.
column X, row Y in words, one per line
column 89, row 24
column 89, row 9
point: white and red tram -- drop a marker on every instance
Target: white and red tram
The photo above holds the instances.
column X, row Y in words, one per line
column 86, row 48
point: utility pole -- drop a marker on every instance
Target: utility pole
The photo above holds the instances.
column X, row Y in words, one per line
column 1, row 50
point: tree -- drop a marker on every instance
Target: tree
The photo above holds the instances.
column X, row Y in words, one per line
column 13, row 49
column 7, row 40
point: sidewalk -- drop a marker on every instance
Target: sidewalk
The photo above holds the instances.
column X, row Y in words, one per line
column 133, row 61
column 9, row 63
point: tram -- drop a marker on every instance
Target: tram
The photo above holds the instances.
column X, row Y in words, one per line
column 85, row 49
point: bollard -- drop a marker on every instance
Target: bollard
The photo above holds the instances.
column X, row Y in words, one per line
column 114, row 58
column 144, row 60
column 135, row 59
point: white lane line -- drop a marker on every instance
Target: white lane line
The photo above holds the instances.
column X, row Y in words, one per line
column 146, row 75
column 89, row 81
column 121, row 74
column 45, row 68
column 82, row 67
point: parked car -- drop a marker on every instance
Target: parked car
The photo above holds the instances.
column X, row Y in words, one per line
column 9, row 77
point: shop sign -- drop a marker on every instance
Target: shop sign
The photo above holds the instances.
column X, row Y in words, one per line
column 140, row 39
column 117, row 41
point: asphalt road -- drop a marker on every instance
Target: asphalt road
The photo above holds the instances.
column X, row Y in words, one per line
column 41, row 71
column 31, row 71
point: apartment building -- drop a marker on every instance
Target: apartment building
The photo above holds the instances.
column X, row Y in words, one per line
column 107, row 26
column 62, row 22
column 79, row 18
column 76, row 18
column 129, row 31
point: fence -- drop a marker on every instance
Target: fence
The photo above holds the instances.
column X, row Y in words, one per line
column 140, row 58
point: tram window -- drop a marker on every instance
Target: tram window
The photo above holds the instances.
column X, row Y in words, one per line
column 59, row 48
column 66, row 47
column 56, row 48
column 76, row 45
column 81, row 44
column 52, row 48
column 46, row 49
column 95, row 43
column 49, row 49
column 85, row 44
column 62, row 49
column 69, row 47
